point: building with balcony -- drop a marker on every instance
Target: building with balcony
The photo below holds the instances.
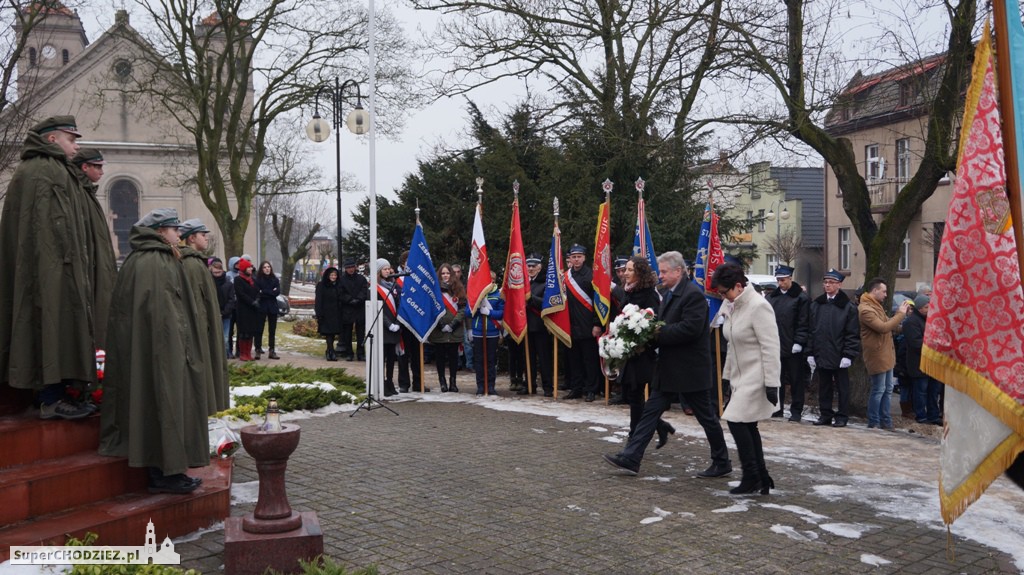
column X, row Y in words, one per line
column 884, row 117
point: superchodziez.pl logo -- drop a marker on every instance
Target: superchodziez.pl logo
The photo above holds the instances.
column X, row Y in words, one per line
column 99, row 555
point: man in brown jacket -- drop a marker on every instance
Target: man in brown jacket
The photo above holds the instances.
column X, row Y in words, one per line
column 876, row 330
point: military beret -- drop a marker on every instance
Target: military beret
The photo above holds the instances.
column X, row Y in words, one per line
column 160, row 218
column 88, row 156
column 193, row 226
column 62, row 123
column 783, row 272
column 834, row 274
column 577, row 249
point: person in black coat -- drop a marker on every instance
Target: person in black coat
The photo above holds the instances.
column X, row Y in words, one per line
column 584, row 361
column 247, row 309
column 638, row 289
column 354, row 290
column 270, row 288
column 327, row 307
column 832, row 347
column 390, row 335
column 683, row 368
column 793, row 318
column 926, row 390
column 225, row 298
column 537, row 335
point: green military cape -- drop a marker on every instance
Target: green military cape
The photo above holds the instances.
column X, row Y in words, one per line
column 46, row 298
column 211, row 328
column 154, row 400
column 101, row 256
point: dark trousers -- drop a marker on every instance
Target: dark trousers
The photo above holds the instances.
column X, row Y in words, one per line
column 346, row 339
column 657, row 404
column 748, row 447
column 833, row 381
column 446, row 356
column 409, row 361
column 390, row 358
column 634, row 396
column 492, row 362
column 541, row 358
column 584, row 365
column 793, row 369
column 271, row 321
column 516, row 360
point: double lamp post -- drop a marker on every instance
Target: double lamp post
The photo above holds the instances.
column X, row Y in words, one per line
column 319, row 130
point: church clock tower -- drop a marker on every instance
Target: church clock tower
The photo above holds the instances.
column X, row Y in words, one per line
column 56, row 40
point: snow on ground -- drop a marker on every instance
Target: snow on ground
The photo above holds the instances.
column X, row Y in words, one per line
column 896, row 473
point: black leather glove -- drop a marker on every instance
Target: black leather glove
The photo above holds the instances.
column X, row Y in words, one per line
column 772, row 393
column 255, row 305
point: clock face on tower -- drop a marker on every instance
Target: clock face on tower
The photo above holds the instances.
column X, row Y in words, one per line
column 49, row 52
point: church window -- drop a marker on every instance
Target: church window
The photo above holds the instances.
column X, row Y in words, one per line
column 32, row 57
column 123, row 70
column 65, row 56
column 124, row 206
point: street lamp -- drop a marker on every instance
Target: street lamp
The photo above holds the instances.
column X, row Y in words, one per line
column 318, row 130
column 783, row 215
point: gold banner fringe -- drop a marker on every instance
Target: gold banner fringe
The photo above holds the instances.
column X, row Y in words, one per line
column 964, row 379
column 953, row 504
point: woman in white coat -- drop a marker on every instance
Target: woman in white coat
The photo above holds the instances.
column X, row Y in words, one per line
column 753, row 368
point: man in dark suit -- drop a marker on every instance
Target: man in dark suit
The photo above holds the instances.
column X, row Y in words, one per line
column 684, row 369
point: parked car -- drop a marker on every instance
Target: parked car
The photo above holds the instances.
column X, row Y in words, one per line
column 764, row 284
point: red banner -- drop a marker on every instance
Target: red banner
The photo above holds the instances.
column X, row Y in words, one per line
column 515, row 285
column 602, row 282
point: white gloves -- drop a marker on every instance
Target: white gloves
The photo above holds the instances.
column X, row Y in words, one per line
column 447, row 329
column 485, row 308
column 719, row 321
column 797, row 348
column 845, row 363
column 810, row 362
column 393, row 327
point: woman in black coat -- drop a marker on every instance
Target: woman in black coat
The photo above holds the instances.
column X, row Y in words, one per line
column 270, row 288
column 247, row 309
column 640, row 280
column 327, row 307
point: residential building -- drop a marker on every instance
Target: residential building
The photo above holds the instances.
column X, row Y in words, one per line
column 884, row 117
column 150, row 158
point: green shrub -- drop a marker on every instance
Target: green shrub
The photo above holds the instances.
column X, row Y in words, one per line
column 250, row 373
column 324, row 565
column 90, row 539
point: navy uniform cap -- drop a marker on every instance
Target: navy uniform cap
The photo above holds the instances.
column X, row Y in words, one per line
column 577, row 249
column 834, row 274
column 783, row 272
column 62, row 123
column 533, row 259
column 160, row 218
column 620, row 262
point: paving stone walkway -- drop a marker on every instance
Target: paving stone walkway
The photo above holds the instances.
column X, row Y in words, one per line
column 453, row 486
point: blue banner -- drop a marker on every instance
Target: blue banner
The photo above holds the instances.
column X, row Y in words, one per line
column 420, row 306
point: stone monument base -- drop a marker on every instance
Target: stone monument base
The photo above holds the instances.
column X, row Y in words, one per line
column 252, row 553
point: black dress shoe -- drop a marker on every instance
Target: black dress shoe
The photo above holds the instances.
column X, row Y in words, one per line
column 663, row 433
column 549, row 394
column 777, row 413
column 823, row 422
column 623, row 464
column 747, row 485
column 523, row 391
column 590, row 397
column 839, row 423
column 715, row 471
column 178, row 484
column 574, row 394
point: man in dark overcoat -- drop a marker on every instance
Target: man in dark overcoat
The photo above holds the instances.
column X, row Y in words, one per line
column 793, row 317
column 584, row 362
column 684, row 369
column 355, row 292
column 832, row 347
column 538, row 336
column 47, row 322
column 155, row 406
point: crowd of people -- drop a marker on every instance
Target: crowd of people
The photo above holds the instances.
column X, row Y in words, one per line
column 170, row 318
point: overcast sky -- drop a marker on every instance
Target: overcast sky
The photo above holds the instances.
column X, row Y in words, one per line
column 860, row 24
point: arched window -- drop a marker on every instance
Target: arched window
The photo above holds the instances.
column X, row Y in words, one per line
column 124, row 205
column 65, row 56
column 32, row 57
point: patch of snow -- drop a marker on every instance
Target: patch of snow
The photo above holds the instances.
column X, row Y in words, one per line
column 793, row 533
column 735, row 508
column 247, row 492
column 873, row 559
column 848, row 530
column 612, row 439
column 806, row 513
column 540, row 431
column 598, row 429
column 659, row 478
column 195, row 535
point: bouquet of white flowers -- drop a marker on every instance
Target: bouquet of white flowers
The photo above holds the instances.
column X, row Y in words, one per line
column 627, row 335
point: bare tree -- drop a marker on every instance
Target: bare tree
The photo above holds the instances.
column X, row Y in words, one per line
column 786, row 245
column 793, row 53
column 19, row 21
column 225, row 70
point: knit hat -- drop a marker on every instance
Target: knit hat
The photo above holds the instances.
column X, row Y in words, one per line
column 381, row 264
column 243, row 265
column 921, row 300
